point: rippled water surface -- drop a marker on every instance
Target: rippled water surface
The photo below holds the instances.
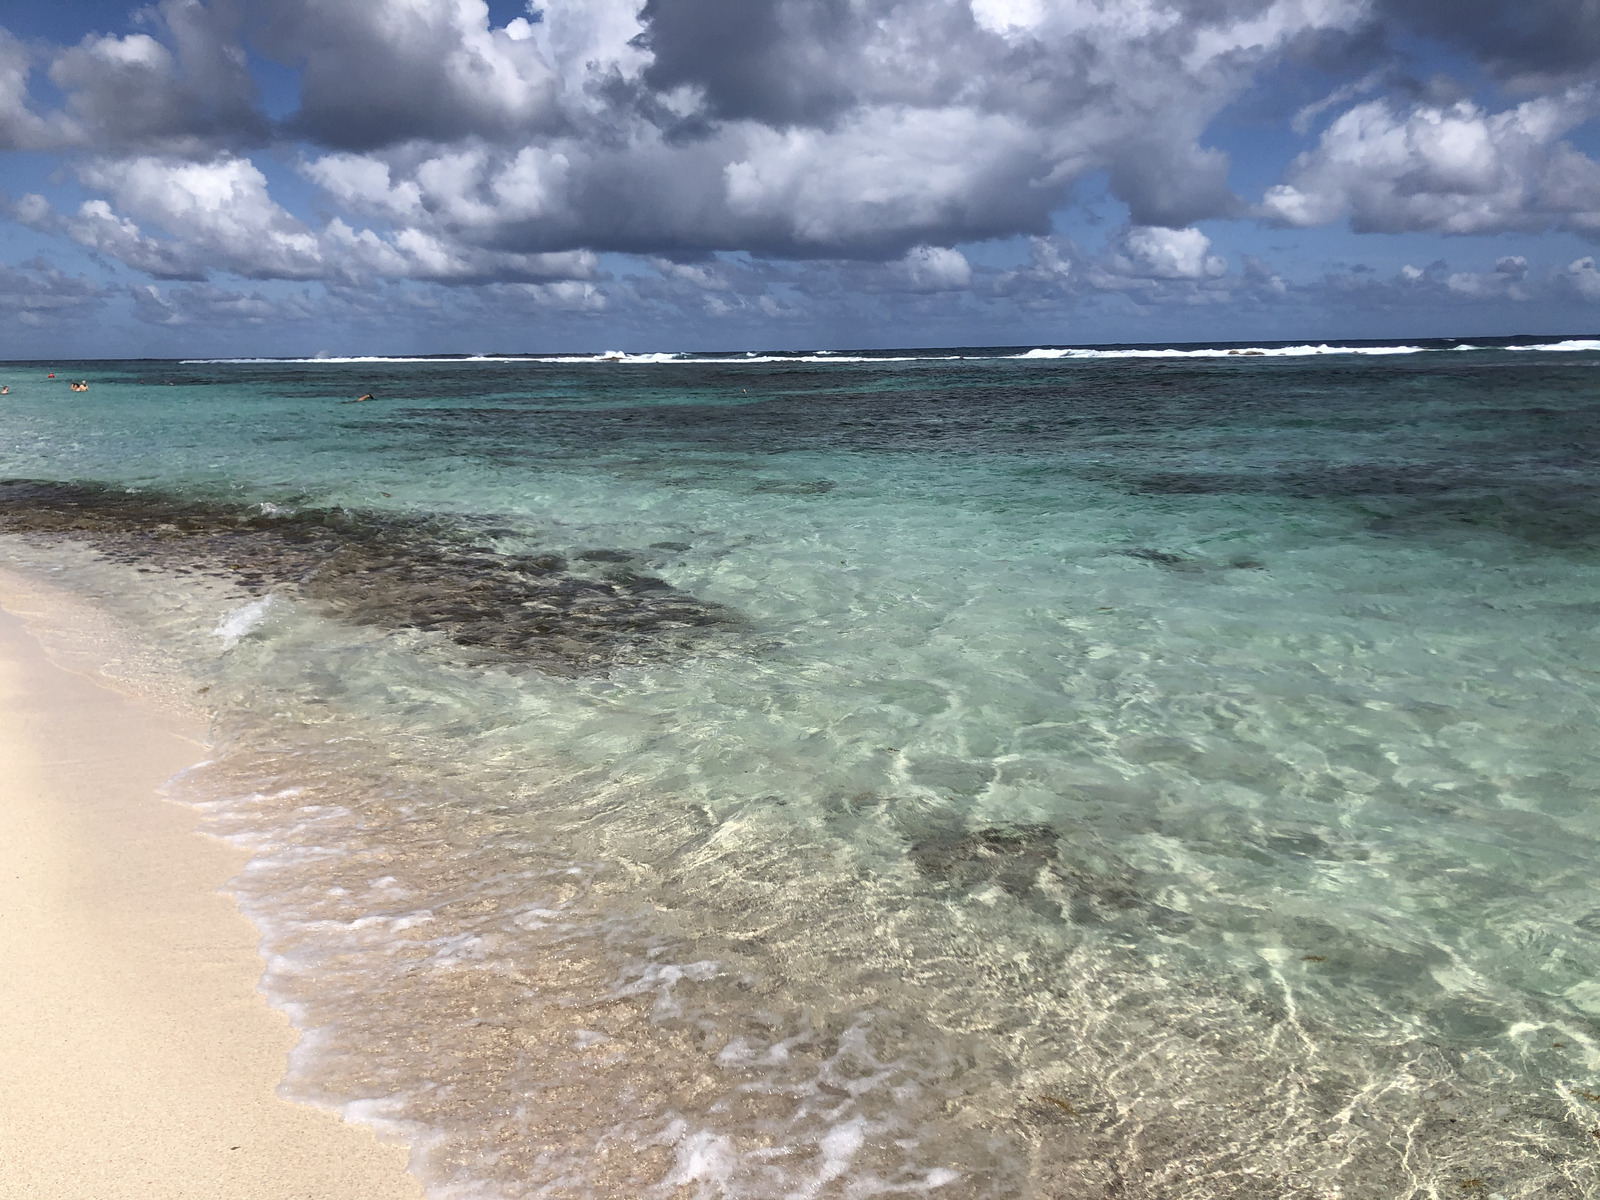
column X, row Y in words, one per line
column 963, row 774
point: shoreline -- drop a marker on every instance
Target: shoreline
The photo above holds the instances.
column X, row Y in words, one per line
column 140, row 1058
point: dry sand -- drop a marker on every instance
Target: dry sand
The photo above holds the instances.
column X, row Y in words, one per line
column 136, row 1057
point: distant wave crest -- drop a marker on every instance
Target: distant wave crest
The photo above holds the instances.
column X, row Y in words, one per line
column 1302, row 351
column 821, row 356
column 1039, row 354
column 1224, row 352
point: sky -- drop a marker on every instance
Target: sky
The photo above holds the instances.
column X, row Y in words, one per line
column 294, row 177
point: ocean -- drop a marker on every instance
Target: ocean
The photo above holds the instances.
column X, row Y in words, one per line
column 1123, row 772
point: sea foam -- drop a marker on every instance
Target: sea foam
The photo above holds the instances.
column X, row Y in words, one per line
column 242, row 621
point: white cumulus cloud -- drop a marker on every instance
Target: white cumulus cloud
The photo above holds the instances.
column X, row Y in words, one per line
column 934, row 269
column 1582, row 276
column 1451, row 169
column 1158, row 253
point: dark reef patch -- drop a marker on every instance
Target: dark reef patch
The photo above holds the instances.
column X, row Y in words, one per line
column 1180, row 562
column 796, row 487
column 1161, row 557
column 1547, row 502
column 396, row 572
column 1009, row 856
column 1025, row 862
column 1164, row 558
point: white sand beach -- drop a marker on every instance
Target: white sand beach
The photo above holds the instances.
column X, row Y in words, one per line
column 139, row 1059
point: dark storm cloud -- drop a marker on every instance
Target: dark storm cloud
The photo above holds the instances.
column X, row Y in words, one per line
column 1551, row 38
column 374, row 74
column 1173, row 185
column 181, row 85
column 790, row 62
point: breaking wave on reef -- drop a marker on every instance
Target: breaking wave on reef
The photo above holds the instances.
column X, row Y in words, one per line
column 1038, row 354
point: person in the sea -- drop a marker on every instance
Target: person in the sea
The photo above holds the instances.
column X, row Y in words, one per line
column 6, row 390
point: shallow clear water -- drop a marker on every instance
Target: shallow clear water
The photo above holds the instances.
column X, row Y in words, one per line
column 977, row 776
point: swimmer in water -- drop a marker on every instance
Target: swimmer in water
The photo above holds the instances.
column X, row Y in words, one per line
column 5, row 391
column 358, row 399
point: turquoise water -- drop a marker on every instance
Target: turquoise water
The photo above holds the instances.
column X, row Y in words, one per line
column 960, row 774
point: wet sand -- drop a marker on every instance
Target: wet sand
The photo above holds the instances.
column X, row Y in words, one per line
column 139, row 1060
